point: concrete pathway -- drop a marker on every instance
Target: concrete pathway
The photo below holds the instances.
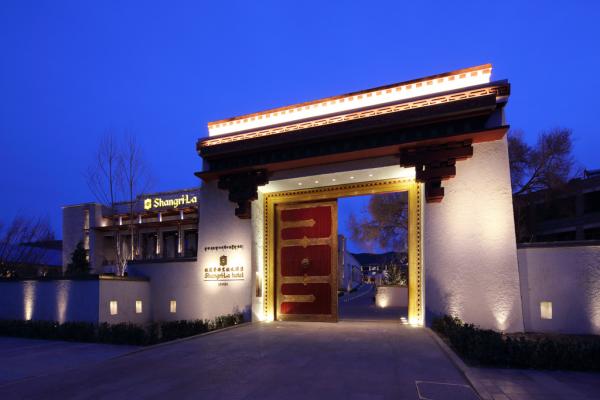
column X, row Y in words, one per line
column 347, row 360
column 516, row 384
column 24, row 358
column 360, row 306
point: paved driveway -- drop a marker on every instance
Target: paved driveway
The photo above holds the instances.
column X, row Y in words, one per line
column 349, row 360
column 23, row 358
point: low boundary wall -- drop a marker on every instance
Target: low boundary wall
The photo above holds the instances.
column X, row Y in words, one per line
column 560, row 286
column 85, row 299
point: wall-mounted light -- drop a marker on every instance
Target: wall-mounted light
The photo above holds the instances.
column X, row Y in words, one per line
column 113, row 307
column 138, row 306
column 173, row 306
column 546, row 309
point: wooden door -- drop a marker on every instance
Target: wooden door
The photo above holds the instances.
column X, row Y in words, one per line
column 306, row 261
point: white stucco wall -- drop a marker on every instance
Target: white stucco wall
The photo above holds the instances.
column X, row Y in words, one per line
column 567, row 276
column 126, row 293
column 220, row 227
column 258, row 247
column 65, row 300
column 178, row 281
column 469, row 250
column 391, row 296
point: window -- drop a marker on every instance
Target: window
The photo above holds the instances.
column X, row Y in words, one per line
column 555, row 209
column 557, row 237
column 170, row 244
column 149, row 248
column 591, row 202
column 113, row 306
column 190, row 238
column 592, row 234
column 138, row 306
column 172, row 306
column 546, row 309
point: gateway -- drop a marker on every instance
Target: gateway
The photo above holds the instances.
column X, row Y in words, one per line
column 271, row 180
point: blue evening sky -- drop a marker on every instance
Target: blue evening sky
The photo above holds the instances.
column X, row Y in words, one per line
column 71, row 70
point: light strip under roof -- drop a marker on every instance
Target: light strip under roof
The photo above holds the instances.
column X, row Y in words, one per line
column 389, row 94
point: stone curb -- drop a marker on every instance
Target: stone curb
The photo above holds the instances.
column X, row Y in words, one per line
column 464, row 369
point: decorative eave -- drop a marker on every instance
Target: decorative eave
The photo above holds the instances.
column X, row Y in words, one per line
column 421, row 131
column 345, row 103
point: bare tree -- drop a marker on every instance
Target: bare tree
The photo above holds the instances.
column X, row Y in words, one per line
column 385, row 224
column 119, row 172
column 17, row 249
column 104, row 178
column 547, row 165
column 544, row 167
column 136, row 179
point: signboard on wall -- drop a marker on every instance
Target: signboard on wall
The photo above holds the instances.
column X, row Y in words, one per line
column 224, row 264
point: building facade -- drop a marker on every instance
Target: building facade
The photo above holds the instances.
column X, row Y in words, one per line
column 569, row 213
column 156, row 227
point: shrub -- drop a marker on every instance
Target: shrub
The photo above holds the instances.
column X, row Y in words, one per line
column 541, row 351
column 124, row 333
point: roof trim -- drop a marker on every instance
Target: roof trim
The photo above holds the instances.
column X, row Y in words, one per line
column 355, row 100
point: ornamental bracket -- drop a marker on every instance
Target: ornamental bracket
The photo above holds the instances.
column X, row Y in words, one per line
column 434, row 164
column 243, row 188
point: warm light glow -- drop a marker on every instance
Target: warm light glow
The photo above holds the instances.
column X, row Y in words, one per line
column 113, row 307
column 382, row 302
column 546, row 309
column 62, row 300
column 393, row 94
column 28, row 299
column 138, row 306
column 173, row 306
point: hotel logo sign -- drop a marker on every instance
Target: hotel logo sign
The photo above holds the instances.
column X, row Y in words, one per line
column 175, row 202
column 221, row 270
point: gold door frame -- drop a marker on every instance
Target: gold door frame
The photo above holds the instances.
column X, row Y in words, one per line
column 416, row 301
column 333, row 276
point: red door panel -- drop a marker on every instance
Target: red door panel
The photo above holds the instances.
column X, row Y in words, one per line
column 320, row 215
column 310, row 260
column 306, row 261
column 316, row 300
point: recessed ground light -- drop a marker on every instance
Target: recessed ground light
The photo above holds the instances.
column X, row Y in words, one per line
column 351, row 177
column 299, row 183
column 316, row 181
column 333, row 180
column 370, row 175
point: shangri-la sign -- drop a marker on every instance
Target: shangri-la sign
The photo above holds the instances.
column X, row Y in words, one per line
column 159, row 202
column 224, row 273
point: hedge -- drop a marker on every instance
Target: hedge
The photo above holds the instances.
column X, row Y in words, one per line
column 124, row 333
column 526, row 350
